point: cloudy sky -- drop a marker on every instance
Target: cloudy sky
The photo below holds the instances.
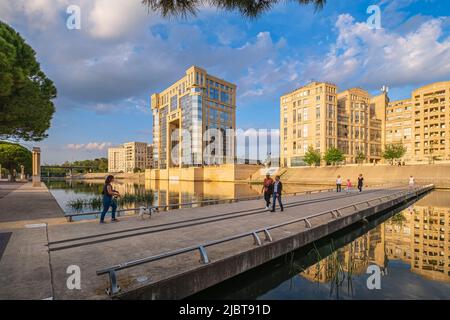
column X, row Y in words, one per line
column 106, row 71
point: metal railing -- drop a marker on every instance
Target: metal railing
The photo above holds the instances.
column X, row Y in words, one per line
column 334, row 213
column 166, row 207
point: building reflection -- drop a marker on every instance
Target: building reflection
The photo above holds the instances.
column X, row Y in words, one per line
column 418, row 236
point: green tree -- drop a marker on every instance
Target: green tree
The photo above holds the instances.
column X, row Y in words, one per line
column 360, row 157
column 312, row 156
column 25, row 92
column 333, row 156
column 394, row 151
column 248, row 8
column 13, row 155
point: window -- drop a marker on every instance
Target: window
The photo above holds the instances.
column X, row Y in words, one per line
column 305, row 114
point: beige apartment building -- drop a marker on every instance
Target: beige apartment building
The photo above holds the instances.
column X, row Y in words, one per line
column 182, row 116
column 316, row 115
column 129, row 156
column 422, row 123
column 308, row 118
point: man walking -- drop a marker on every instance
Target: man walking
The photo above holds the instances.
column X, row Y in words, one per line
column 277, row 189
column 267, row 189
column 339, row 184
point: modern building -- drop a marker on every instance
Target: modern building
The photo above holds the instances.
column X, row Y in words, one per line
column 194, row 114
column 316, row 115
column 129, row 157
column 422, row 123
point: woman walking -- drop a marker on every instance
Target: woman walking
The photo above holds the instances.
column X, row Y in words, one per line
column 108, row 199
column 348, row 189
column 360, row 182
column 339, row 184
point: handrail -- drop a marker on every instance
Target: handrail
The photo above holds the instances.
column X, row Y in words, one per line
column 335, row 213
column 216, row 201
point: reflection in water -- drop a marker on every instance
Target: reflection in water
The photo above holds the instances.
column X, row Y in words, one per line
column 165, row 192
column 410, row 246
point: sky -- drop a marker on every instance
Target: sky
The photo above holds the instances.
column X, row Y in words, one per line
column 106, row 71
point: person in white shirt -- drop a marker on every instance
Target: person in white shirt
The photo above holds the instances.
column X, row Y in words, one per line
column 412, row 181
column 338, row 184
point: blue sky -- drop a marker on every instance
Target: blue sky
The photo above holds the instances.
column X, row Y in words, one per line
column 106, row 71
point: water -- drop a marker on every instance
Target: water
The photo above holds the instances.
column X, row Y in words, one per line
column 410, row 246
column 165, row 192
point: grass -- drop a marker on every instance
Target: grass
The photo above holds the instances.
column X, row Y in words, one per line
column 144, row 198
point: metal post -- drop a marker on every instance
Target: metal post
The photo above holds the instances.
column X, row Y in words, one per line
column 268, row 236
column 307, row 223
column 257, row 239
column 203, row 255
column 114, row 288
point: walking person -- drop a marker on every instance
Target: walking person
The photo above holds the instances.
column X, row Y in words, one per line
column 277, row 189
column 108, row 199
column 267, row 190
column 360, row 182
column 411, row 182
column 339, row 184
column 349, row 186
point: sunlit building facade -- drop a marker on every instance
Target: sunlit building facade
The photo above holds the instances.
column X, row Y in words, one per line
column 129, row 157
column 422, row 123
column 182, row 115
column 316, row 115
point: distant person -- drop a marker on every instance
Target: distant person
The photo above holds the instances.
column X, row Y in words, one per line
column 277, row 189
column 338, row 184
column 411, row 182
column 267, row 189
column 349, row 186
column 108, row 199
column 360, row 182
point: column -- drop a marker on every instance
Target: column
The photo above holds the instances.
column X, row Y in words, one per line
column 36, row 163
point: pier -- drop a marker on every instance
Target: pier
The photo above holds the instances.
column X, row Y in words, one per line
column 177, row 253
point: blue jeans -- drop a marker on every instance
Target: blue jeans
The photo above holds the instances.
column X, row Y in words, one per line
column 108, row 202
column 274, row 199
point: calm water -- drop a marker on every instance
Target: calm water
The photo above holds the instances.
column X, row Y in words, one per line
column 411, row 246
column 165, row 192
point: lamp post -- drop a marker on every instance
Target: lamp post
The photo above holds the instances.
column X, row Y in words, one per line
column 36, row 164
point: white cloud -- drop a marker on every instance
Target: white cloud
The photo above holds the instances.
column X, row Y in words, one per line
column 369, row 58
column 89, row 146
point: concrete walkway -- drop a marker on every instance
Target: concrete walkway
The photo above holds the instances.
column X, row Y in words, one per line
column 92, row 246
column 36, row 257
column 25, row 212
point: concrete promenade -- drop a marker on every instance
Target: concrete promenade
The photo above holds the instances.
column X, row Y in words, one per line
column 36, row 258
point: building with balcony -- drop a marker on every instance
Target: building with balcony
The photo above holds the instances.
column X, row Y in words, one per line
column 316, row 115
column 129, row 157
column 421, row 123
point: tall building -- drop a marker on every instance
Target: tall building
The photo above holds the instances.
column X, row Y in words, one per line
column 421, row 123
column 116, row 159
column 182, row 116
column 129, row 156
column 316, row 115
column 308, row 117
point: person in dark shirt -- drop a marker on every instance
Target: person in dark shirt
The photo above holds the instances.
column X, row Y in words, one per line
column 360, row 182
column 277, row 189
column 108, row 199
column 267, row 189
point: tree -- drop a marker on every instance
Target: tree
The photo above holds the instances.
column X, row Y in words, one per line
column 248, row 8
column 13, row 155
column 360, row 157
column 394, row 151
column 25, row 92
column 312, row 156
column 333, row 156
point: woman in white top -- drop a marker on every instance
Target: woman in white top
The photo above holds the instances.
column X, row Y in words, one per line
column 411, row 181
column 338, row 184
